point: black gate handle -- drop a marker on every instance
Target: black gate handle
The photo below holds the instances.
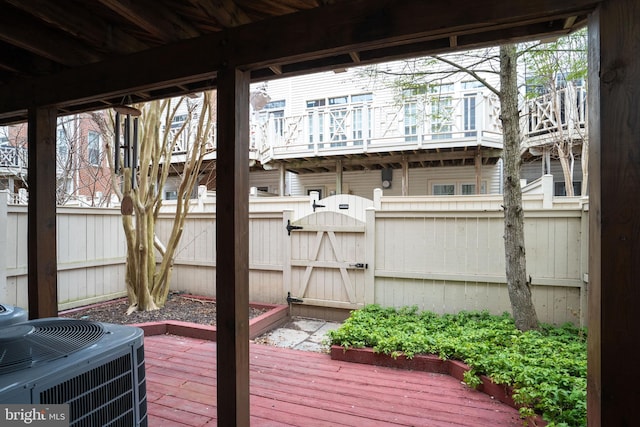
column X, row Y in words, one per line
column 359, row 265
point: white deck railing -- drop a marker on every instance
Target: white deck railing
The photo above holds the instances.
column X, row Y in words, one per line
column 561, row 110
column 361, row 128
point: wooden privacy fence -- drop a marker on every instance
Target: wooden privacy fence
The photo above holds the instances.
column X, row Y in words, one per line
column 443, row 254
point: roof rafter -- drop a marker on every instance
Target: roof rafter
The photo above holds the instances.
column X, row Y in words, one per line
column 152, row 17
column 317, row 39
column 89, row 27
column 21, row 31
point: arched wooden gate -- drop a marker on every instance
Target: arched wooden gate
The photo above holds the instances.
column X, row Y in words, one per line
column 329, row 255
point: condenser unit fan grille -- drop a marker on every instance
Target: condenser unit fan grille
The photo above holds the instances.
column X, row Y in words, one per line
column 100, row 397
column 142, row 387
column 24, row 345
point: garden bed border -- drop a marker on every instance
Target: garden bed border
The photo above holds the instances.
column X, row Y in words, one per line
column 429, row 363
column 274, row 316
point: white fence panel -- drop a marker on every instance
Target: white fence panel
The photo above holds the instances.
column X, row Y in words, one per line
column 441, row 253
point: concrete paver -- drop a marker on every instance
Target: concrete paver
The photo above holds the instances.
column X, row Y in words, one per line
column 301, row 334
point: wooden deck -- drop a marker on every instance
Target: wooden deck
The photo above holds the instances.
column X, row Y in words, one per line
column 296, row 388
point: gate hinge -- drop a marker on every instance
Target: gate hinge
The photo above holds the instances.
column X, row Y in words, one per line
column 290, row 227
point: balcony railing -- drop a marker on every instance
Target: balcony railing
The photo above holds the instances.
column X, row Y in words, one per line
column 365, row 127
column 564, row 109
column 13, row 158
column 357, row 128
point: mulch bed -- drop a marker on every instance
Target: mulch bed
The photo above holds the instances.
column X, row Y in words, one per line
column 180, row 307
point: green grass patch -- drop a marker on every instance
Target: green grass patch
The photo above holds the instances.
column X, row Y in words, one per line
column 547, row 368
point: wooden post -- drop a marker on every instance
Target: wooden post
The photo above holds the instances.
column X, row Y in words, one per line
column 232, row 257
column 478, row 164
column 405, row 176
column 614, row 213
column 338, row 176
column 282, row 188
column 42, row 270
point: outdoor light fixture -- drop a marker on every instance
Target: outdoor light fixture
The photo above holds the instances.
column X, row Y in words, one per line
column 129, row 142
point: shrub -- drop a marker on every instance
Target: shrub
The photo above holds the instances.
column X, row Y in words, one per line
column 547, row 368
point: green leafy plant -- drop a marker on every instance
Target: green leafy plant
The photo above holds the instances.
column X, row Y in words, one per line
column 546, row 368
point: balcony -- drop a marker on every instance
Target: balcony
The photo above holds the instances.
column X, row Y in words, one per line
column 557, row 114
column 367, row 129
column 13, row 161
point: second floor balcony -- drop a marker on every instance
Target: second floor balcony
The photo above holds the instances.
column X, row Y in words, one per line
column 361, row 128
column 446, row 123
column 558, row 114
column 13, row 160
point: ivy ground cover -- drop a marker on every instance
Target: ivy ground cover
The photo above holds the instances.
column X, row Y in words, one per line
column 547, row 368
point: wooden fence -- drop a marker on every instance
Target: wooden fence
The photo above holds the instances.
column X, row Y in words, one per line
column 443, row 254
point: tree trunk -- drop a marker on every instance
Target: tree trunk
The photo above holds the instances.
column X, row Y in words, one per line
column 563, row 145
column 524, row 312
column 147, row 281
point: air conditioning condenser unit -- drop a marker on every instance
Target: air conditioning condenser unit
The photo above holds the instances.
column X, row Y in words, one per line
column 96, row 368
column 10, row 315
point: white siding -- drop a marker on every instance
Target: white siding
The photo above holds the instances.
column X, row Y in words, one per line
column 362, row 183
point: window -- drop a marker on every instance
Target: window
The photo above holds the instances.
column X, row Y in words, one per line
column 316, row 103
column 469, row 189
column 339, row 100
column 275, row 105
column 441, row 111
column 363, row 97
column 178, row 120
column 411, row 121
column 93, row 148
column 278, row 121
column 274, row 111
column 444, row 189
column 469, row 114
column 441, row 117
column 316, row 127
column 452, row 188
column 442, row 88
column 413, row 110
column 171, row 195
column 411, row 91
column 62, row 147
column 360, row 129
column 471, row 84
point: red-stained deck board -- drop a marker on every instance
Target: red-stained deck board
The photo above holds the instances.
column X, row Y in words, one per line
column 296, row 388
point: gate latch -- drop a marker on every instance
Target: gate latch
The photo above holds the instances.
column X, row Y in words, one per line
column 359, row 265
column 292, row 227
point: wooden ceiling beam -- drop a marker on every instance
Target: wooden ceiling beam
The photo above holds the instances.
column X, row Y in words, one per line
column 19, row 30
column 363, row 24
column 390, row 159
column 226, row 12
column 153, row 18
column 311, row 35
column 91, row 28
